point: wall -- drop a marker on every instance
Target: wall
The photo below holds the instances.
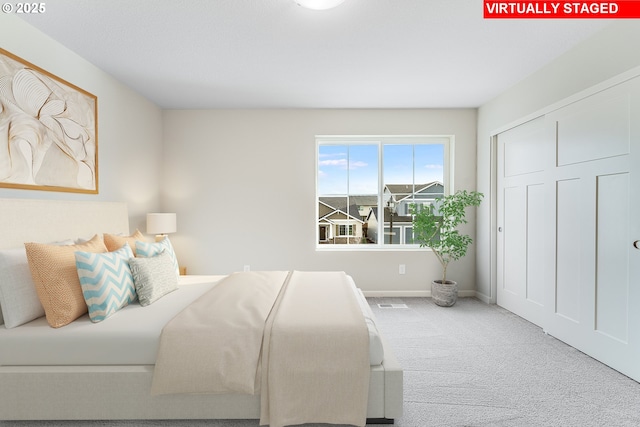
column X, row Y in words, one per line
column 243, row 185
column 129, row 126
column 608, row 53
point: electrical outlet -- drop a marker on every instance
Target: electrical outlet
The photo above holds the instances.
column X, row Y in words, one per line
column 246, row 268
column 401, row 269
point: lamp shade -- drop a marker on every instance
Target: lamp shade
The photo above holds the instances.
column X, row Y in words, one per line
column 319, row 4
column 161, row 223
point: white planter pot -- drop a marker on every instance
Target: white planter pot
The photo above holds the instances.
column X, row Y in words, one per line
column 444, row 295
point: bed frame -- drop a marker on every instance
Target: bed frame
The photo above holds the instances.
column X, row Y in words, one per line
column 123, row 392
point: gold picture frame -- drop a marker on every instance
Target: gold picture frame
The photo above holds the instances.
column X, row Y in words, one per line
column 48, row 130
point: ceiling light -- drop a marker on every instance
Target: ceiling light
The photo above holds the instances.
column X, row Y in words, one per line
column 319, row 4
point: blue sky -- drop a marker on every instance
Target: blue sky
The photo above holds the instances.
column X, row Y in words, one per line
column 353, row 169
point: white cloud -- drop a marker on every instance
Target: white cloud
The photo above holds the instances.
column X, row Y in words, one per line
column 342, row 163
column 357, row 164
column 321, row 155
column 335, row 162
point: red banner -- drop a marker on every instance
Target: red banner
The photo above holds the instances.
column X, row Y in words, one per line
column 622, row 9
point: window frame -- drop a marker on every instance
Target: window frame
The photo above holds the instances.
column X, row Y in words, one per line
column 448, row 142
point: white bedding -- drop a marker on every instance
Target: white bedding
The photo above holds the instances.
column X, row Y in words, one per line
column 130, row 337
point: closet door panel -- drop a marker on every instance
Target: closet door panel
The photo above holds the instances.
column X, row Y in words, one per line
column 594, row 128
column 522, row 149
column 570, row 278
column 536, row 247
column 524, row 152
column 593, row 277
column 514, row 234
column 613, row 252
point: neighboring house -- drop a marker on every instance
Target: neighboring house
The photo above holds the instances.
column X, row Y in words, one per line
column 355, row 219
column 404, row 195
column 398, row 226
column 339, row 223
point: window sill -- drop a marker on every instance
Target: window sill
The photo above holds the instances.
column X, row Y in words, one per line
column 369, row 248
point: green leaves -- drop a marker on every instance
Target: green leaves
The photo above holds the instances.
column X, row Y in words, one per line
column 434, row 226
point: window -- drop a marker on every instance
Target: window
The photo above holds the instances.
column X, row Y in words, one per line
column 366, row 185
column 345, row 230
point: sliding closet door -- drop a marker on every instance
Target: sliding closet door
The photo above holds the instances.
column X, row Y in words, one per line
column 524, row 154
column 568, row 237
column 593, row 296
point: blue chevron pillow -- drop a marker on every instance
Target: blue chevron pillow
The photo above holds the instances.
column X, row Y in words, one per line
column 148, row 250
column 106, row 281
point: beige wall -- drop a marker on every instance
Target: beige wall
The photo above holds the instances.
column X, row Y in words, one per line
column 129, row 126
column 610, row 52
column 243, row 185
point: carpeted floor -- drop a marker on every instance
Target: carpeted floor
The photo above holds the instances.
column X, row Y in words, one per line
column 480, row 365
column 477, row 365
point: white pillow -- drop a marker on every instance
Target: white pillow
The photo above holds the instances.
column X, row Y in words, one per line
column 18, row 296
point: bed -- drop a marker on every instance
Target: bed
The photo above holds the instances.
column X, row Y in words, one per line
column 52, row 374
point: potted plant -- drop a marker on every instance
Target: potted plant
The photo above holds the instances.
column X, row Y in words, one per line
column 435, row 227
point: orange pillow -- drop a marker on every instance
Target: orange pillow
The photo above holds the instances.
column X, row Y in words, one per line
column 54, row 273
column 113, row 242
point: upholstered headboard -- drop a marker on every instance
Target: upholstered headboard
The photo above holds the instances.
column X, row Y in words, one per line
column 26, row 220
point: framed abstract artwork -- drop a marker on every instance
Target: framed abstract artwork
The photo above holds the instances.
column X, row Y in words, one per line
column 48, row 130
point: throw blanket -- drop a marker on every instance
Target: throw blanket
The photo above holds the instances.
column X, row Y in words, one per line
column 302, row 342
column 213, row 345
column 316, row 354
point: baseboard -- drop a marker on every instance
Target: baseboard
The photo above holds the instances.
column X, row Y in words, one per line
column 467, row 294
column 411, row 294
column 397, row 294
column 484, row 298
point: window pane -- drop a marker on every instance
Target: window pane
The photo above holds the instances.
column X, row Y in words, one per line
column 398, row 164
column 398, row 188
column 332, row 169
column 429, row 173
column 429, row 163
column 332, row 190
column 392, row 237
column 363, row 190
column 363, row 170
column 408, row 235
column 347, row 192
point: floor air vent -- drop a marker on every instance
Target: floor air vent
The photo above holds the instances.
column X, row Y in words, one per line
column 392, row 305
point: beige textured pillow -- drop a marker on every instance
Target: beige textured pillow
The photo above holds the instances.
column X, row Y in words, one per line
column 113, row 242
column 53, row 269
column 153, row 277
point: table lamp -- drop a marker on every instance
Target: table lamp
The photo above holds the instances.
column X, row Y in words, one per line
column 161, row 224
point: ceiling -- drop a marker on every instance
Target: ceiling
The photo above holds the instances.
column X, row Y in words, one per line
column 184, row 54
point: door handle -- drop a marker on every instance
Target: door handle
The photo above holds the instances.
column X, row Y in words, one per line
column 636, row 244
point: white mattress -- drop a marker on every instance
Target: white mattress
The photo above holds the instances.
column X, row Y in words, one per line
column 129, row 337
column 376, row 351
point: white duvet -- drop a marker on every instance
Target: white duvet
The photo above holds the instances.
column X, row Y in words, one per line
column 130, row 337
